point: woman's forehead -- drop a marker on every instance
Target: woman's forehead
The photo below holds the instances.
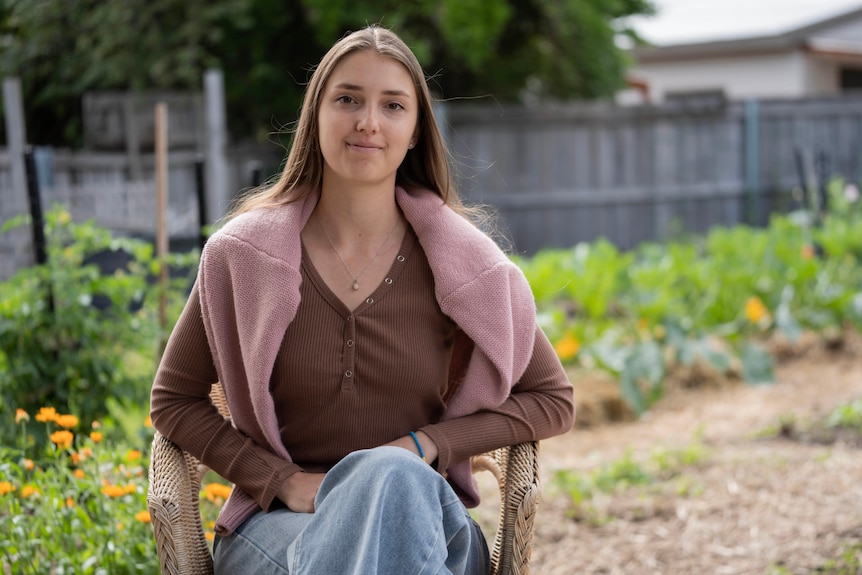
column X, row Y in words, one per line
column 366, row 70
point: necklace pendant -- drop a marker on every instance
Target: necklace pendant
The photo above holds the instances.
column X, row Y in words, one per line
column 355, row 285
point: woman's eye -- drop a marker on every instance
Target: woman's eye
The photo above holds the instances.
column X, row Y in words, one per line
column 395, row 106
column 344, row 99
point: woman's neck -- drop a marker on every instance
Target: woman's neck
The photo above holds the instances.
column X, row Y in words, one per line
column 357, row 215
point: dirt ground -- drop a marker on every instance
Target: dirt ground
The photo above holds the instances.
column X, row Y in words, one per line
column 757, row 502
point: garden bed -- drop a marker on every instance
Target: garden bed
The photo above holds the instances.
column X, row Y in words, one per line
column 769, row 490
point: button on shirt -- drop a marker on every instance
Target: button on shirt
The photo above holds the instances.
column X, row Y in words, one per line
column 338, row 370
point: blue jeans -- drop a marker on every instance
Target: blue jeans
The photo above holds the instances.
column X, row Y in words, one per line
column 378, row 511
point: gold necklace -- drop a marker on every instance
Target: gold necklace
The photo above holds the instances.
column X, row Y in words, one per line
column 341, row 259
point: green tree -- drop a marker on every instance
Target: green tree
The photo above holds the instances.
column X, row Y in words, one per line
column 505, row 49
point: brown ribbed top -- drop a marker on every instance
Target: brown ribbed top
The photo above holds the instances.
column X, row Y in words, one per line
column 346, row 380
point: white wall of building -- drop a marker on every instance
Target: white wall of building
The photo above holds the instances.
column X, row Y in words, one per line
column 778, row 75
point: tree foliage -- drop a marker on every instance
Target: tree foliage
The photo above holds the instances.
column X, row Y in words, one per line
column 505, row 49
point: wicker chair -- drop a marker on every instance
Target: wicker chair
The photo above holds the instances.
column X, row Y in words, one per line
column 175, row 483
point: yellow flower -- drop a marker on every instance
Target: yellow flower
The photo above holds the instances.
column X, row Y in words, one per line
column 46, row 414
column 217, row 491
column 96, row 436
column 21, row 415
column 66, row 420
column 78, row 473
column 29, row 490
column 755, row 311
column 143, row 516
column 120, row 526
column 210, row 536
column 133, row 455
column 6, row 487
column 567, row 347
column 129, row 488
column 63, row 217
column 148, row 422
column 28, row 464
column 113, row 491
column 63, row 439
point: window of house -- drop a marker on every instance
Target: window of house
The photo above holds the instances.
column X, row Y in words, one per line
column 851, row 78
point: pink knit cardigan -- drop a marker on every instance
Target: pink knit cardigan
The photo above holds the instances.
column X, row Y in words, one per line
column 249, row 289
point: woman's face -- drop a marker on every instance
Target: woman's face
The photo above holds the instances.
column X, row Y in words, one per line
column 367, row 120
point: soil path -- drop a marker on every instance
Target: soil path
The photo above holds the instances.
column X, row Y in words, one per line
column 753, row 505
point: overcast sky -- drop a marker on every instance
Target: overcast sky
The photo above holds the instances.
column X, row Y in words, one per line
column 680, row 21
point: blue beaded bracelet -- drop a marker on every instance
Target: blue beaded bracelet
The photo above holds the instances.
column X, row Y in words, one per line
column 418, row 446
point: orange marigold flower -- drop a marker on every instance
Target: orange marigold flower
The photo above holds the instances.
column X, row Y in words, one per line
column 216, row 491
column 66, row 420
column 6, row 487
column 755, row 311
column 129, row 488
column 75, row 457
column 86, row 452
column 96, row 436
column 120, row 526
column 29, row 490
column 210, row 536
column 78, row 473
column 113, row 491
column 63, row 439
column 567, row 347
column 143, row 516
column 46, row 414
column 133, row 455
column 70, row 502
column 21, row 415
column 96, row 425
column 807, row 252
column 28, row 465
column 148, row 422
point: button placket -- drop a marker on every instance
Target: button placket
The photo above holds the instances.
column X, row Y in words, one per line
column 348, row 366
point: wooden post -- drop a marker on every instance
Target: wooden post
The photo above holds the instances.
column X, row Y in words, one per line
column 161, row 215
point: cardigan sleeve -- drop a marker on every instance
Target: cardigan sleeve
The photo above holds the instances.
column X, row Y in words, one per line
column 541, row 405
column 182, row 411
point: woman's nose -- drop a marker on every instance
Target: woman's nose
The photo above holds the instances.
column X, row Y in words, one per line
column 368, row 120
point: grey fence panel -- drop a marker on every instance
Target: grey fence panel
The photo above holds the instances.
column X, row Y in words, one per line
column 558, row 175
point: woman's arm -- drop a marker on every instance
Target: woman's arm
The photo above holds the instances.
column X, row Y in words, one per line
column 181, row 410
column 540, row 406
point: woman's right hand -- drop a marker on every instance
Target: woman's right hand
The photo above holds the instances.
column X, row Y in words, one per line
column 299, row 490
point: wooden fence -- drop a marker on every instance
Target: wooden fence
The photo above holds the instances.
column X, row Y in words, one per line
column 562, row 175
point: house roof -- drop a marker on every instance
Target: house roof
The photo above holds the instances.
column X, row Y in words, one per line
column 804, row 38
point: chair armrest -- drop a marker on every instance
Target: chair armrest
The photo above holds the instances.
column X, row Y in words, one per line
column 173, row 499
column 517, row 471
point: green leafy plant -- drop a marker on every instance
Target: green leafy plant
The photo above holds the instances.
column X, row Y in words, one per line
column 662, row 466
column 715, row 299
column 68, row 331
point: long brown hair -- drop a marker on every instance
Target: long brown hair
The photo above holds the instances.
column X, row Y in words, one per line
column 425, row 165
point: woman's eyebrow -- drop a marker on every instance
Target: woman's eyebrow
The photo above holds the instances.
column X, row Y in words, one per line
column 355, row 88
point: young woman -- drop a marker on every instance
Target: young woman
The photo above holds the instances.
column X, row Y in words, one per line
column 369, row 340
